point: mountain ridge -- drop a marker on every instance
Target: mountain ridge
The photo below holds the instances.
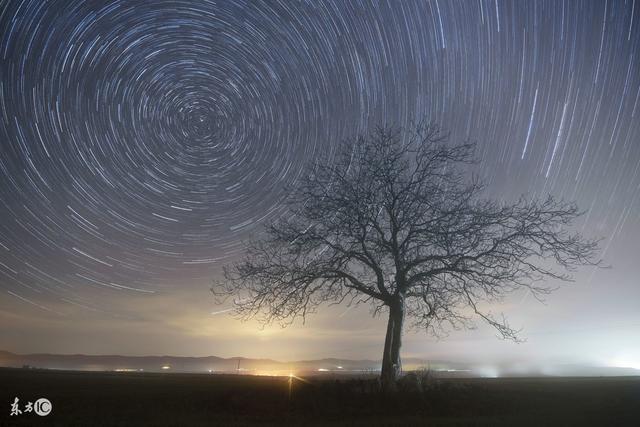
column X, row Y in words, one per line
column 264, row 366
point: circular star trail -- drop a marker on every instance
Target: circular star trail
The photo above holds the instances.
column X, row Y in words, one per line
column 142, row 141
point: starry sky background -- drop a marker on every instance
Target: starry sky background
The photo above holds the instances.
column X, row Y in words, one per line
column 142, row 142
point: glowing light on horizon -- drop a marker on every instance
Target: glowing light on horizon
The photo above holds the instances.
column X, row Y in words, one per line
column 130, row 179
column 625, row 362
column 488, row 372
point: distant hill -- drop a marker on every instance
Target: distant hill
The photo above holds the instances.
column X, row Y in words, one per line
column 213, row 364
column 191, row 364
column 178, row 364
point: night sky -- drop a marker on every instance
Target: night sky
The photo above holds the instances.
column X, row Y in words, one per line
column 142, row 142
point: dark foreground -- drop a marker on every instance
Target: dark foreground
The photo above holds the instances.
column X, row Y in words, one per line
column 140, row 399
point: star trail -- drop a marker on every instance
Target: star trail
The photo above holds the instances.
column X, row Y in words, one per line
column 142, row 142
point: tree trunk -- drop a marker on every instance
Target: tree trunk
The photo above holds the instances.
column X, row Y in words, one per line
column 391, row 365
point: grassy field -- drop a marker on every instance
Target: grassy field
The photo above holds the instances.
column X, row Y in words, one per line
column 140, row 399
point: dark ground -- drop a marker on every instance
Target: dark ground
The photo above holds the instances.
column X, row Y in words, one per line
column 140, row 399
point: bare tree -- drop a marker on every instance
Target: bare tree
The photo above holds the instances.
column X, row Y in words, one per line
column 395, row 220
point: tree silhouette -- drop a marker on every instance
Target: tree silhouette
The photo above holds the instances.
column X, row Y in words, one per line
column 395, row 220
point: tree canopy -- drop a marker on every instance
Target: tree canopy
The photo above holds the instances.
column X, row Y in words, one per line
column 396, row 220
